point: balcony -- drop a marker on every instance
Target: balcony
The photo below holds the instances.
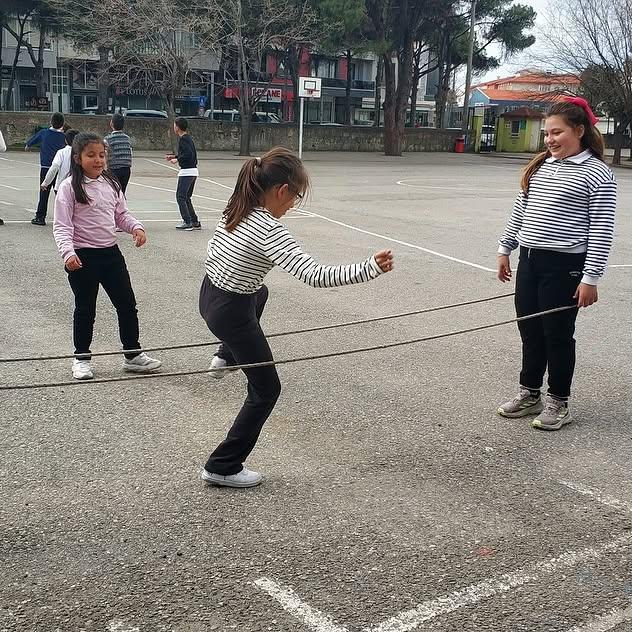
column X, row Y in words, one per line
column 342, row 83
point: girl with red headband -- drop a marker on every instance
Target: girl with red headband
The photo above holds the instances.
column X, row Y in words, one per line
column 563, row 223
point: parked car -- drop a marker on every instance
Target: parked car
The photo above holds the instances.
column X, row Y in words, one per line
column 146, row 114
column 234, row 116
column 93, row 109
column 325, row 123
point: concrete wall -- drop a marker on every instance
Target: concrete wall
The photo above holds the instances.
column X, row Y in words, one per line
column 153, row 134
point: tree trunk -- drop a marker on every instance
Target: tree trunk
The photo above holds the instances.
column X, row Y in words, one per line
column 377, row 107
column 348, row 89
column 244, row 140
column 103, row 80
column 2, row 19
column 16, row 58
column 618, row 137
column 392, row 139
column 413, row 97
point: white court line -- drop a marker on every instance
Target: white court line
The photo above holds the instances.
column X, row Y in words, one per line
column 595, row 494
column 7, row 186
column 605, row 622
column 22, row 162
column 621, row 265
column 7, row 203
column 404, row 243
column 293, row 604
column 219, row 184
column 470, row 595
column 121, row 626
column 149, row 186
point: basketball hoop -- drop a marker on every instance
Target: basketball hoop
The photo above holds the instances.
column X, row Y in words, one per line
column 308, row 88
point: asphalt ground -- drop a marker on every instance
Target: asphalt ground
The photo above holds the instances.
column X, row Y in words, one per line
column 394, row 499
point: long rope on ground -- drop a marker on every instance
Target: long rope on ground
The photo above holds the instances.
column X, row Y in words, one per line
column 192, row 345
column 320, row 356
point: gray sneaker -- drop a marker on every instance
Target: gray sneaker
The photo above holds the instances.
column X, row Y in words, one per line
column 184, row 226
column 521, row 405
column 555, row 415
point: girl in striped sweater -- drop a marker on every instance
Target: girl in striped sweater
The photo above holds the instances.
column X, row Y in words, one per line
column 248, row 242
column 563, row 223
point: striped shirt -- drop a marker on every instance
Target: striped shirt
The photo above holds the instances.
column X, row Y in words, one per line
column 238, row 260
column 570, row 207
column 119, row 150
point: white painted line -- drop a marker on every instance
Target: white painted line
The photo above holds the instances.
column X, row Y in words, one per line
column 148, row 186
column 7, row 203
column 403, row 183
column 7, row 186
column 404, row 243
column 605, row 622
column 595, row 494
column 621, row 265
column 470, row 595
column 219, row 184
column 121, row 626
column 293, row 604
column 22, row 162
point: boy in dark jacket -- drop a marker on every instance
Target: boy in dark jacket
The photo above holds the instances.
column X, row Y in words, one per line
column 50, row 140
column 188, row 174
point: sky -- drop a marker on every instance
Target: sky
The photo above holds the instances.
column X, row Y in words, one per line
column 522, row 60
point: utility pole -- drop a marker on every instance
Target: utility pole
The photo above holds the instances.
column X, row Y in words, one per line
column 468, row 75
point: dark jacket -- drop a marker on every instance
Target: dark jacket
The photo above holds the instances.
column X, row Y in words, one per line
column 187, row 155
column 50, row 141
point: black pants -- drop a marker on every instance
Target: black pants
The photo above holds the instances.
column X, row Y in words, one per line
column 545, row 280
column 122, row 174
column 184, row 193
column 106, row 267
column 42, row 204
column 234, row 318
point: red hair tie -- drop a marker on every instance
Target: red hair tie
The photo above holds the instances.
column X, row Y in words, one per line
column 582, row 103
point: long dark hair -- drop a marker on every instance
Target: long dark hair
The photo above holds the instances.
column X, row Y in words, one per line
column 277, row 167
column 80, row 142
column 574, row 116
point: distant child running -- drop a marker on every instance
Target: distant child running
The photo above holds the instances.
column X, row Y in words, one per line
column 119, row 148
column 563, row 223
column 50, row 140
column 248, row 242
column 188, row 174
column 60, row 169
column 88, row 208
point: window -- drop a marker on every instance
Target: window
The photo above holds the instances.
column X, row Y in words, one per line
column 515, row 128
column 59, row 80
column 326, row 68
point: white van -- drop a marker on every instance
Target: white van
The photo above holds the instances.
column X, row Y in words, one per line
column 234, row 116
column 146, row 114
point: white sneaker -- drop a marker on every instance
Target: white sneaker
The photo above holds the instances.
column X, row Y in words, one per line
column 218, row 363
column 82, row 370
column 245, row 478
column 142, row 363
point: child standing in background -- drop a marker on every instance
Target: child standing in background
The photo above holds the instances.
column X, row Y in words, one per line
column 119, row 149
column 60, row 169
column 88, row 208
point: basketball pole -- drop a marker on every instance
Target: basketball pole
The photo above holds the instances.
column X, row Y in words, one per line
column 300, row 128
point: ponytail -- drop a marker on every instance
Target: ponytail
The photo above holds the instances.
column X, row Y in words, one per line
column 277, row 167
column 574, row 115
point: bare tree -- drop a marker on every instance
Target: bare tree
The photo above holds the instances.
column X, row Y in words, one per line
column 22, row 12
column 255, row 29
column 592, row 39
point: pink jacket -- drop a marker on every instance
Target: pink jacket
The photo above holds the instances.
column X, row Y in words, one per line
column 91, row 225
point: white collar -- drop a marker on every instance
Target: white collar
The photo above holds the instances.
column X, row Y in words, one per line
column 89, row 180
column 577, row 159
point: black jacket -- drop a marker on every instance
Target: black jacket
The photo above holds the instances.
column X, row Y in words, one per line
column 187, row 155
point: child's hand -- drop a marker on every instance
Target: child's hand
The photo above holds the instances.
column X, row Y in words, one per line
column 139, row 237
column 384, row 259
column 174, row 161
column 170, row 157
column 73, row 263
column 44, row 187
column 504, row 268
column 586, row 295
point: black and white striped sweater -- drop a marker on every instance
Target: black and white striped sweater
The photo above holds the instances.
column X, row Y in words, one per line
column 237, row 261
column 570, row 207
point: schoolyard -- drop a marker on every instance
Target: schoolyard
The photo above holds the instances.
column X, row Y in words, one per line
column 395, row 498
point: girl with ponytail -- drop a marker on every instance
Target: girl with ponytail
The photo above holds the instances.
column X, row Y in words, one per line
column 563, row 224
column 248, row 242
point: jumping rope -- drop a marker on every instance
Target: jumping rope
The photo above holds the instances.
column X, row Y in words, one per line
column 321, row 356
column 275, row 335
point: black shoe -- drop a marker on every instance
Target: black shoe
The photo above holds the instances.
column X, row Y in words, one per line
column 1, row 222
column 38, row 221
column 195, row 226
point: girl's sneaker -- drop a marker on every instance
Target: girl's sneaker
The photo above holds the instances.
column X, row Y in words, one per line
column 82, row 370
column 523, row 404
column 245, row 478
column 555, row 415
column 218, row 363
column 141, row 363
